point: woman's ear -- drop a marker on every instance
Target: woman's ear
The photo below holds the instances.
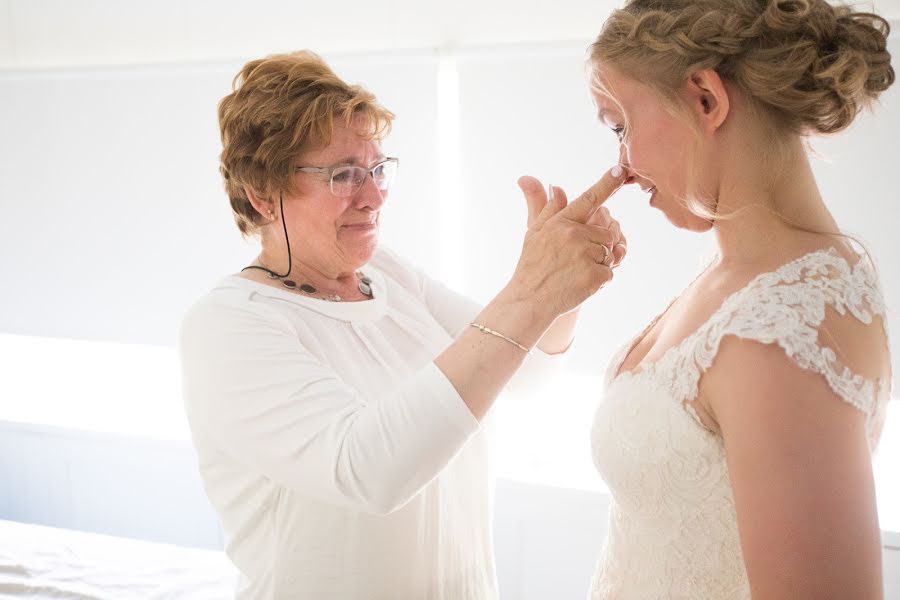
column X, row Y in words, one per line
column 708, row 98
column 263, row 206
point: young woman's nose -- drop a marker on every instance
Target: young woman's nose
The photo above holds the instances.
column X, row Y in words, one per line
column 623, row 160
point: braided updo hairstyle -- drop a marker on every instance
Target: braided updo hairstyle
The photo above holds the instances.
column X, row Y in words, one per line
column 809, row 65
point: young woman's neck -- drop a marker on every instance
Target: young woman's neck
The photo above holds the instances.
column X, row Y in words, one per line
column 776, row 215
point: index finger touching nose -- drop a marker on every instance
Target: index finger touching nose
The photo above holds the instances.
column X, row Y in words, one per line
column 593, row 198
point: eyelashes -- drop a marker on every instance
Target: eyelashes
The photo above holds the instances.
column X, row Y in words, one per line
column 613, row 120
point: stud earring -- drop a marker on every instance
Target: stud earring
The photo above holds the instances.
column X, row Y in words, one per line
column 271, row 214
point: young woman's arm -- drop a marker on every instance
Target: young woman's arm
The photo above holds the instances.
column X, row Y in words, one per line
column 800, row 467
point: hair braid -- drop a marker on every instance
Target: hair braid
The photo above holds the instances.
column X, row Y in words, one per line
column 810, row 65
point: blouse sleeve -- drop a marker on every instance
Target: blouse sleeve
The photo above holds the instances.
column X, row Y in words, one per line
column 254, row 393
column 454, row 312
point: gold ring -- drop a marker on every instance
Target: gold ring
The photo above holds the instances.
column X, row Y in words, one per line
column 606, row 255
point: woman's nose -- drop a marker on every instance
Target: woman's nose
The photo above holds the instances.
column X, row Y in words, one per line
column 369, row 195
column 623, row 160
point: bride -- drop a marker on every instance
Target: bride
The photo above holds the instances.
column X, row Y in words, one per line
column 735, row 432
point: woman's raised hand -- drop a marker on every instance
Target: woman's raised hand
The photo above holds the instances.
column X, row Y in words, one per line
column 570, row 248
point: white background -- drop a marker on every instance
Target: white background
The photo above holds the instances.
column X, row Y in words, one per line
column 114, row 219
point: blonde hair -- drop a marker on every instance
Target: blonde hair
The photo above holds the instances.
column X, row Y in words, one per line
column 804, row 66
column 810, row 65
column 282, row 106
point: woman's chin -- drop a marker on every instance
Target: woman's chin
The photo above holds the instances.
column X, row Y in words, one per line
column 690, row 222
column 684, row 219
column 701, row 227
column 363, row 252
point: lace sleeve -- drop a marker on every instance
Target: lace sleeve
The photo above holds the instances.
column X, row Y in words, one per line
column 827, row 316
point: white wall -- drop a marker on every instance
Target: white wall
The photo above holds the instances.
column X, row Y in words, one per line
column 140, row 488
column 42, row 33
column 114, row 211
column 114, row 218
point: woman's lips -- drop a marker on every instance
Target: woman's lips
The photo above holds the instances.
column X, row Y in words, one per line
column 367, row 226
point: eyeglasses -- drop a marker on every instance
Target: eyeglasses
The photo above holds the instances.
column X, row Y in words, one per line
column 346, row 180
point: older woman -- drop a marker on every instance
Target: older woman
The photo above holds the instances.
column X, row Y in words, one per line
column 336, row 394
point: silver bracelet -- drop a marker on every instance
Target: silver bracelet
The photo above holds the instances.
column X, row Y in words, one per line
column 484, row 329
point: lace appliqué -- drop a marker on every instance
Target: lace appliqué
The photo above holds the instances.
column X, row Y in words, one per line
column 786, row 307
column 672, row 525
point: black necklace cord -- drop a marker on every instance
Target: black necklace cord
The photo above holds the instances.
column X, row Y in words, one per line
column 363, row 285
column 286, row 241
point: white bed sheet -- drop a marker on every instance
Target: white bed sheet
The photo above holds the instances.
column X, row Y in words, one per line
column 43, row 563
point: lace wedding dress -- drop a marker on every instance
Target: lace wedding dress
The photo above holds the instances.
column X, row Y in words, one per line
column 672, row 523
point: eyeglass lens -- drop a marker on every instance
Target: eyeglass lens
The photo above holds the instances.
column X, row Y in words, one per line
column 346, row 181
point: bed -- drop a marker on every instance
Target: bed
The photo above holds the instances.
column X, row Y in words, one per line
column 39, row 563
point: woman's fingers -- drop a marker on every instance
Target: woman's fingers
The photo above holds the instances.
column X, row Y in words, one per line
column 620, row 249
column 570, row 248
column 614, row 227
column 600, row 235
column 535, row 197
column 603, row 257
column 582, row 208
column 602, row 218
column 542, row 204
column 558, row 198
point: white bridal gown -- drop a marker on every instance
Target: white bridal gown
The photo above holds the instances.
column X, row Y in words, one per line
column 672, row 523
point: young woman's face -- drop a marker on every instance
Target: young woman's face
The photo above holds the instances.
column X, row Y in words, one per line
column 655, row 145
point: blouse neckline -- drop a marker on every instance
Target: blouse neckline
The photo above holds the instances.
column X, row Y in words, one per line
column 365, row 310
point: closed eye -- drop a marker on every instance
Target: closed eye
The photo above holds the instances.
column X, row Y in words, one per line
column 612, row 121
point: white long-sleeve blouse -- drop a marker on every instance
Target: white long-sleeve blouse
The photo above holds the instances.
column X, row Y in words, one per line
column 340, row 459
